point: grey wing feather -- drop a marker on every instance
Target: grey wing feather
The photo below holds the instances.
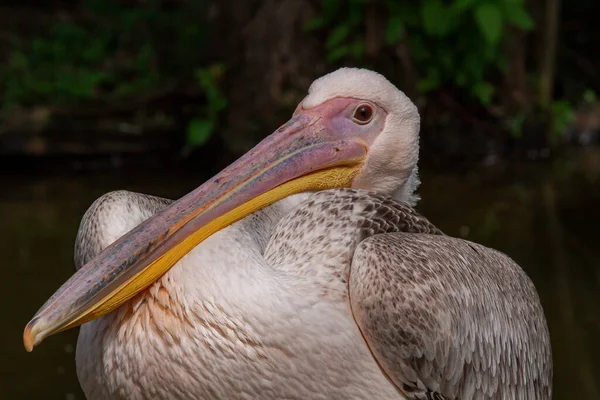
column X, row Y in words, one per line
column 111, row 216
column 449, row 318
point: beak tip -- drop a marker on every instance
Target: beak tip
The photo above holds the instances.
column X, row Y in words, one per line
column 30, row 335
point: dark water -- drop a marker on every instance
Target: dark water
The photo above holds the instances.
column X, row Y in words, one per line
column 545, row 216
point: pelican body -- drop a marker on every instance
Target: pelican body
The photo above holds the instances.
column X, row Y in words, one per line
column 300, row 272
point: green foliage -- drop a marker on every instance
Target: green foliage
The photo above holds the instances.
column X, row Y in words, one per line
column 488, row 17
column 454, row 42
column 515, row 125
column 117, row 53
column 562, row 115
column 114, row 53
column 342, row 40
column 201, row 128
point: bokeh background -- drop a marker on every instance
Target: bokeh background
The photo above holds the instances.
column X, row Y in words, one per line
column 157, row 96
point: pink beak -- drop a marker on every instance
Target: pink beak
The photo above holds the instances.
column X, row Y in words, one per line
column 292, row 159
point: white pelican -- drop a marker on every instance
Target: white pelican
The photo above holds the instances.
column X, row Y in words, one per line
column 300, row 272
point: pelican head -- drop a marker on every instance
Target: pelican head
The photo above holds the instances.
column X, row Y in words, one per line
column 353, row 129
column 391, row 130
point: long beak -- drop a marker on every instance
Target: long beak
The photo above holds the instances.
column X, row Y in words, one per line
column 302, row 155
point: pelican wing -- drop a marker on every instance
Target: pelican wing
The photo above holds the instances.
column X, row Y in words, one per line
column 111, row 216
column 449, row 319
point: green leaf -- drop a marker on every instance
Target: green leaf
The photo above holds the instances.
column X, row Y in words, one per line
column 204, row 78
column 436, row 19
column 418, row 48
column 512, row 3
column 357, row 49
column 519, row 17
column 562, row 116
column 94, row 52
column 314, row 24
column 501, row 63
column 207, row 79
column 339, row 52
column 144, row 58
column 474, row 66
column 18, row 60
column 409, row 11
column 330, row 10
column 337, row 36
column 427, row 85
column 462, row 5
column 355, row 12
column 489, row 20
column 461, row 78
column 432, row 13
column 394, row 29
column 515, row 125
column 484, row 92
column 199, row 131
column 430, row 82
column 393, row 8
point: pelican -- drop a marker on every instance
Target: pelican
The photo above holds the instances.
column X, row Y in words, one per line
column 301, row 271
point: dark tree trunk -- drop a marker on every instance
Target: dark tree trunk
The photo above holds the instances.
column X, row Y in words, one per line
column 263, row 42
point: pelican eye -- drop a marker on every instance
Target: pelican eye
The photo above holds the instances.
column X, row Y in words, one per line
column 363, row 114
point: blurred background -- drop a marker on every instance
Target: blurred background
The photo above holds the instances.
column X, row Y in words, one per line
column 157, row 96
